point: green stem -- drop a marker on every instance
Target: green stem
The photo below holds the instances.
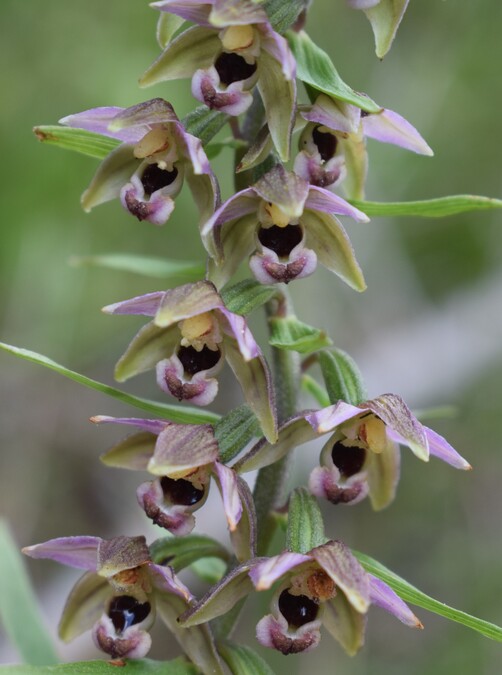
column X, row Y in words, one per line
column 269, row 491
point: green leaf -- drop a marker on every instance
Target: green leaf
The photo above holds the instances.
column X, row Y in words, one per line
column 315, row 390
column 314, row 67
column 173, row 413
column 18, row 606
column 214, row 149
column 305, row 525
column 204, row 123
column 234, row 431
column 282, row 15
column 84, row 142
column 158, row 268
column 246, row 296
column 342, row 377
column 180, row 552
column 210, row 570
column 429, row 208
column 412, row 595
column 243, row 660
column 140, row 667
column 289, row 333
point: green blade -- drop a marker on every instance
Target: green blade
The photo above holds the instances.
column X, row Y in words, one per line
column 429, row 208
column 77, row 140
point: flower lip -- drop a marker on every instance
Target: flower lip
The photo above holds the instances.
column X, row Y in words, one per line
column 281, row 240
column 297, row 609
column 349, row 460
column 125, row 611
column 194, row 361
column 180, row 491
column 155, row 178
column 326, row 143
column 233, row 67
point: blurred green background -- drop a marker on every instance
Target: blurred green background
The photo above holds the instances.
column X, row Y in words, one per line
column 429, row 327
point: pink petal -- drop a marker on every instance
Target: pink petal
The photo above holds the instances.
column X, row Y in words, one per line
column 80, row 552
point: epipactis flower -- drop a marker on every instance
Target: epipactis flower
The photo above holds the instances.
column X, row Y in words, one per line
column 119, row 594
column 333, row 148
column 148, row 169
column 190, row 337
column 232, row 49
column 326, row 586
column 361, row 457
column 183, row 458
column 287, row 226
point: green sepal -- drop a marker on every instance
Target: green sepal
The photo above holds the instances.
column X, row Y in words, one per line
column 416, row 597
column 289, row 333
column 204, row 123
column 167, row 25
column 342, row 377
column 234, row 431
column 180, row 552
column 156, row 268
column 246, row 296
column 136, row 666
column 429, row 208
column 305, row 524
column 243, row 660
column 318, row 393
column 18, row 606
column 385, row 18
column 282, row 15
column 173, row 413
column 84, row 142
column 314, row 67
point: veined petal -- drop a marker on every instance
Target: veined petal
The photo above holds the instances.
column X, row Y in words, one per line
column 320, row 199
column 327, row 237
column 113, row 173
column 120, row 554
column 166, row 582
column 80, row 552
column 243, row 538
column 154, row 111
column 382, row 595
column 193, row 49
column 382, row 470
column 439, row 447
column 187, row 301
column 146, row 305
column 192, row 150
column 279, row 99
column 333, row 114
column 153, row 426
column 237, row 327
column 221, row 597
column 277, row 46
column 389, row 127
column 403, row 426
column 346, row 571
column 295, row 431
column 256, row 382
column 183, row 447
column 149, row 346
column 227, row 482
column 283, row 189
column 265, row 573
column 327, row 419
column 190, row 10
column 98, row 120
column 84, row 606
column 236, row 12
column 344, row 623
column 241, row 204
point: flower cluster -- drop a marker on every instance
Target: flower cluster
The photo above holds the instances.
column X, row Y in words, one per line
column 282, row 222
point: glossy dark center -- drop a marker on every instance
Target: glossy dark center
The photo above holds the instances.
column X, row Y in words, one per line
column 193, row 361
column 154, row 178
column 348, row 460
column 125, row 611
column 233, row 68
column 297, row 609
column 281, row 240
column 326, row 143
column 180, row 491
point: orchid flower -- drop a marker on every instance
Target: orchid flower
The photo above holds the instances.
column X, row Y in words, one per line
column 326, row 586
column 232, row 49
column 190, row 337
column 119, row 596
column 286, row 225
column 333, row 147
column 361, row 457
column 148, row 169
column 183, row 458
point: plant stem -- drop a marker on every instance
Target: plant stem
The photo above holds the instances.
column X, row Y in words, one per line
column 269, row 491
